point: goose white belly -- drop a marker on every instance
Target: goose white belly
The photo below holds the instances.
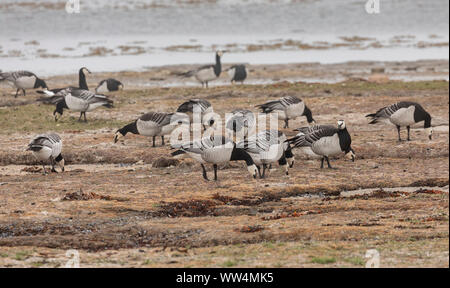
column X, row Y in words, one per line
column 206, row 75
column 295, row 110
column 217, row 155
column 148, row 128
column 76, row 104
column 197, row 157
column 308, row 152
column 25, row 82
column 43, row 154
column 166, row 130
column 327, row 146
column 280, row 114
column 272, row 155
column 403, row 116
column 232, row 72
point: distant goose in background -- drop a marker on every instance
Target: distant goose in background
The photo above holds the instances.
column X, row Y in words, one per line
column 215, row 150
column 238, row 73
column 403, row 114
column 265, row 148
column 287, row 108
column 109, row 85
column 47, row 147
column 153, row 124
column 23, row 80
column 206, row 73
column 241, row 123
column 79, row 100
column 326, row 141
column 82, row 84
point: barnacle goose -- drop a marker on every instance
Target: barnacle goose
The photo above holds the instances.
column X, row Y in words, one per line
column 47, row 147
column 153, row 124
column 215, row 150
column 238, row 73
column 287, row 108
column 403, row 114
column 265, row 148
column 109, row 85
column 241, row 123
column 79, row 100
column 23, row 80
column 206, row 73
column 201, row 108
column 50, row 94
column 325, row 140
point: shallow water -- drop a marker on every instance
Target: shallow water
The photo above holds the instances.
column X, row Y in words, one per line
column 129, row 35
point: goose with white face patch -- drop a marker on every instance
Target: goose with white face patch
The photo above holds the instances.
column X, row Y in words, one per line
column 266, row 148
column 80, row 100
column 287, row 108
column 238, row 73
column 403, row 114
column 23, row 80
column 326, row 141
column 47, row 147
column 215, row 150
column 241, row 123
column 109, row 85
column 207, row 73
column 153, row 124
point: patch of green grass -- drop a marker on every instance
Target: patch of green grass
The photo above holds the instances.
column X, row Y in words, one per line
column 3, row 255
column 39, row 118
column 323, row 260
column 229, row 263
column 357, row 261
column 22, row 255
column 269, row 245
column 37, row 264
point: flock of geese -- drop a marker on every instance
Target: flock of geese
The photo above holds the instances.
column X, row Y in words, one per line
column 259, row 150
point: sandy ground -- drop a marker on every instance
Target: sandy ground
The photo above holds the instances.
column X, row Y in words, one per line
column 119, row 208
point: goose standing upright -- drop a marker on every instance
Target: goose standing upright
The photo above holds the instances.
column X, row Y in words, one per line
column 403, row 114
column 215, row 150
column 47, row 147
column 80, row 100
column 109, row 85
column 287, row 108
column 153, row 124
column 326, row 141
column 265, row 148
column 23, row 80
column 238, row 73
column 207, row 73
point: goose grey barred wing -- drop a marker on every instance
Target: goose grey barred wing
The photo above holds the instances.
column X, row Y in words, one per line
column 13, row 76
column 199, row 146
column 280, row 104
column 193, row 72
column 162, row 119
column 189, row 106
column 44, row 140
column 88, row 96
column 305, row 140
column 311, row 129
column 261, row 141
column 388, row 111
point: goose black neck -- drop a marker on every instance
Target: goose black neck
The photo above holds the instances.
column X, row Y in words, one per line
column 82, row 83
column 60, row 106
column 427, row 121
column 130, row 128
column 239, row 154
column 308, row 114
column 345, row 140
column 218, row 66
column 39, row 83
